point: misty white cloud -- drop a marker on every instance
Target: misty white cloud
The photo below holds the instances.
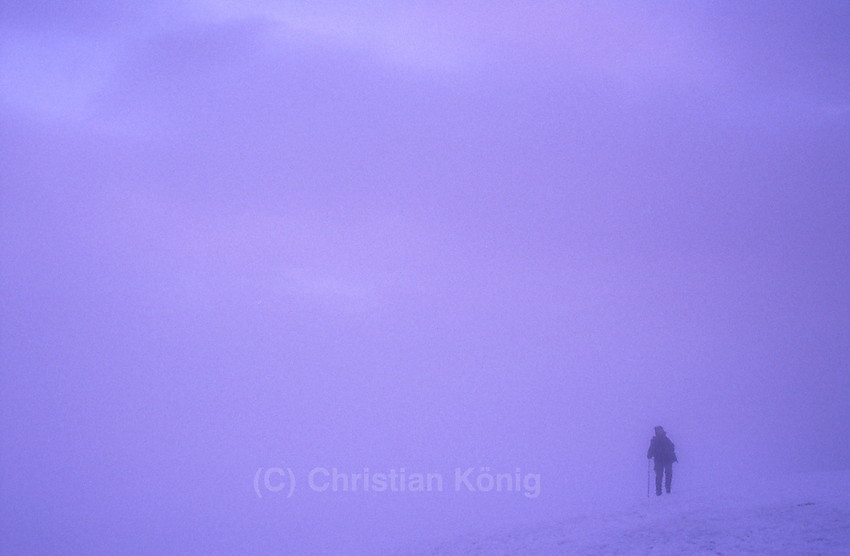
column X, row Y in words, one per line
column 72, row 74
column 54, row 75
column 405, row 37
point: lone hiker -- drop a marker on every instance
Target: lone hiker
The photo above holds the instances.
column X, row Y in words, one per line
column 664, row 451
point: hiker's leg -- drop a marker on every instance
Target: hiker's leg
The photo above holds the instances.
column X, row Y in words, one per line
column 659, row 474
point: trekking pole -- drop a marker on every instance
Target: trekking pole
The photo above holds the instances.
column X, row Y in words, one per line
column 648, row 467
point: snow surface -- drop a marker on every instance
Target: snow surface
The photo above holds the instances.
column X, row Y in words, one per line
column 802, row 514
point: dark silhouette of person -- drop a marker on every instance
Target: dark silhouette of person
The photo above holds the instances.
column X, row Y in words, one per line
column 664, row 451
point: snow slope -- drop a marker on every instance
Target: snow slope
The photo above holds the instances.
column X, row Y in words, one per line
column 804, row 514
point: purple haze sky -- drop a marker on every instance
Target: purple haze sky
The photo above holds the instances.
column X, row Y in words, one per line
column 433, row 234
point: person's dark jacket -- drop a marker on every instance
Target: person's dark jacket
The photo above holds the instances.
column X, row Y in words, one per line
column 662, row 449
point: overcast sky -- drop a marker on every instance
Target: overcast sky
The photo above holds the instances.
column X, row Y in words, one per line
column 238, row 235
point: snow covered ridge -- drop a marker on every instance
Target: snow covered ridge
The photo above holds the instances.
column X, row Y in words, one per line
column 804, row 515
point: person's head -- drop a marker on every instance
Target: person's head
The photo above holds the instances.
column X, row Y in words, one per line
column 659, row 431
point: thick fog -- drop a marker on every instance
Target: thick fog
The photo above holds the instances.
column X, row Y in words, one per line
column 248, row 243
